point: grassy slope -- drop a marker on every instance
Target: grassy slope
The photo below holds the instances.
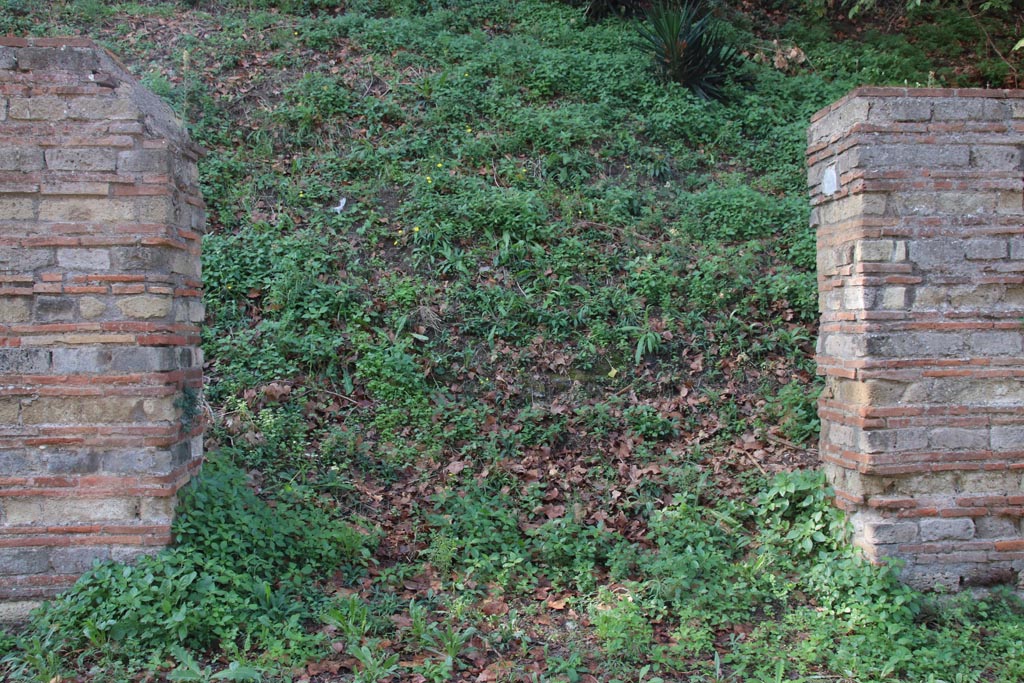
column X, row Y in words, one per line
column 549, row 355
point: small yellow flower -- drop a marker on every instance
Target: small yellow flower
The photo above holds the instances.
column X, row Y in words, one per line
column 396, row 243
column 468, row 129
column 429, row 179
column 439, row 165
column 416, row 228
column 400, row 231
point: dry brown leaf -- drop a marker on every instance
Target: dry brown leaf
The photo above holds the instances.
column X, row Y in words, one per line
column 558, row 604
column 494, row 608
column 494, row 672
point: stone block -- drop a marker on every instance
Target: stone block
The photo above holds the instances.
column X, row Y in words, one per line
column 84, row 260
column 82, row 210
column 145, row 306
column 870, row 392
column 894, row 298
column 958, row 439
column 14, row 259
column 144, row 161
column 915, row 156
column 20, row 158
column 157, row 510
column 9, row 411
column 17, row 209
column 44, row 511
column 91, row 307
column 73, row 59
column 954, row 529
column 996, row 527
column 1010, row 203
column 50, row 309
column 995, row 343
column 71, row 462
column 996, row 157
column 87, row 410
column 82, row 159
column 986, row 249
column 8, row 60
column 988, row 482
column 79, row 559
column 959, row 108
column 900, row 109
column 15, row 309
column 39, row 108
column 196, row 312
column 14, row 463
column 911, row 439
column 915, row 345
column 21, row 561
column 932, row 483
column 150, row 259
column 185, row 264
column 973, row 296
column 877, row 533
column 138, row 461
column 845, row 345
column 874, row 250
column 160, row 409
column 81, row 361
column 1008, row 438
column 105, row 108
column 157, row 210
column 16, row 361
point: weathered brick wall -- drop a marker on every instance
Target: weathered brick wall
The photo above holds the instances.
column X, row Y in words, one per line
column 918, row 202
column 100, row 371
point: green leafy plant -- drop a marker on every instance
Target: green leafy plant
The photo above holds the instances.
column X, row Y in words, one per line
column 689, row 49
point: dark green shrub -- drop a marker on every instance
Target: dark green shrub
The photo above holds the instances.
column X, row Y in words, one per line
column 599, row 9
column 688, row 48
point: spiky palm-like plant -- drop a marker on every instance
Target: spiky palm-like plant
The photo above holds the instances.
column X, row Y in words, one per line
column 688, row 47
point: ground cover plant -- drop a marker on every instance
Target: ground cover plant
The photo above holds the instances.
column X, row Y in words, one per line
column 509, row 346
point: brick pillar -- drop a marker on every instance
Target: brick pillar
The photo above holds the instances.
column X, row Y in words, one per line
column 918, row 202
column 100, row 368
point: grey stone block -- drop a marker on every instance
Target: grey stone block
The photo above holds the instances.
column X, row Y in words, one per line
column 8, row 60
column 953, row 529
column 24, row 361
column 958, row 438
column 986, row 249
column 54, row 308
column 74, row 59
column 78, row 560
column 141, row 258
column 15, row 561
column 71, row 463
column 80, row 361
column 888, row 532
column 141, row 461
column 1007, row 438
